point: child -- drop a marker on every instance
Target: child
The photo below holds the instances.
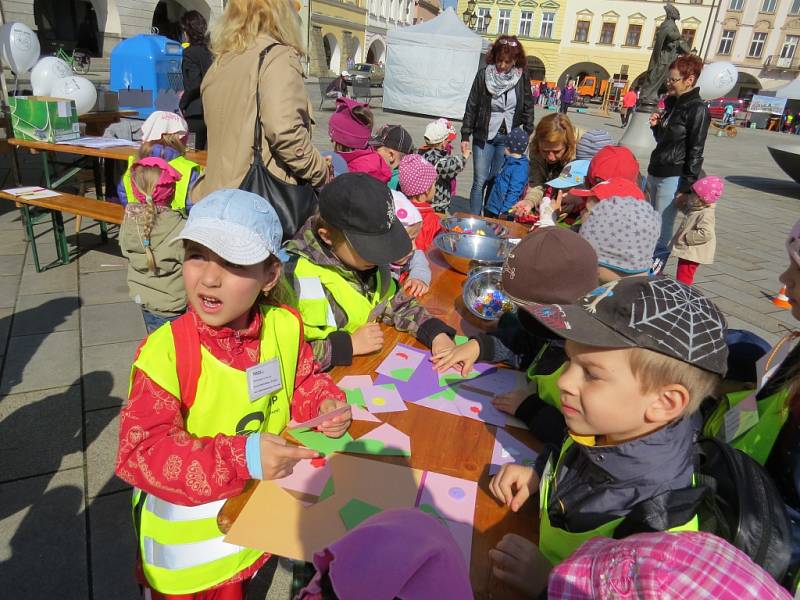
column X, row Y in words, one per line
column 164, row 135
column 509, row 184
column 591, row 142
column 617, row 187
column 448, row 167
column 392, row 142
column 197, row 427
column 572, row 176
column 414, row 270
column 349, row 128
column 417, row 182
column 695, row 241
column 154, row 265
column 636, row 374
column 339, row 270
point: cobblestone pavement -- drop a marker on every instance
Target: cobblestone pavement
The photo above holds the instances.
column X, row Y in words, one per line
column 67, row 337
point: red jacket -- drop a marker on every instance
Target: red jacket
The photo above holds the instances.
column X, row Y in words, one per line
column 367, row 161
column 629, row 99
column 430, row 226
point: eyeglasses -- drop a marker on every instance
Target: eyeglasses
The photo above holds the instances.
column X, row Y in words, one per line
column 674, row 79
column 511, row 43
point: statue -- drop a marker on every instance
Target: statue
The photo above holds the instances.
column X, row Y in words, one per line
column 669, row 43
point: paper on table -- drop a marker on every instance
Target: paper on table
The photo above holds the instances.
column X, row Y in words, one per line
column 356, row 511
column 99, row 142
column 498, row 381
column 401, row 363
column 508, row 449
column 320, row 442
column 362, row 414
column 308, row 477
column 318, row 420
column 393, row 442
column 32, row 192
column 383, row 398
column 426, row 380
column 351, row 385
column 479, row 408
column 443, row 401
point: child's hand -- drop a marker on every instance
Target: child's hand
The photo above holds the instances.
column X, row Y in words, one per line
column 522, row 208
column 514, row 484
column 441, row 343
column 556, row 204
column 415, row 288
column 278, row 458
column 367, row 339
column 338, row 425
column 466, row 152
column 519, row 562
column 464, row 355
column 510, row 401
column 654, row 119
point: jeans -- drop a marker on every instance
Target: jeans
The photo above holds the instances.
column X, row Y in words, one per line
column 662, row 197
column 487, row 160
column 153, row 321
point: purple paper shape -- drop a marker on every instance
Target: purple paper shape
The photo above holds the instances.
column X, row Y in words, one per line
column 319, row 419
column 352, row 382
column 402, row 362
column 480, row 408
column 499, row 381
column 437, row 402
column 361, row 414
column 308, row 477
column 508, row 449
column 425, row 381
column 390, row 436
column 383, row 398
column 462, row 534
column 453, row 499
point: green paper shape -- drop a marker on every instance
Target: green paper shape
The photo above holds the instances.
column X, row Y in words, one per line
column 355, row 397
column 460, row 339
column 403, row 374
column 376, row 447
column 387, row 386
column 320, row 442
column 451, row 379
column 427, row 508
column 327, row 491
column 356, row 511
column 448, row 394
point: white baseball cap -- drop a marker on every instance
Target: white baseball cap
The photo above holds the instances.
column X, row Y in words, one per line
column 436, row 132
column 160, row 123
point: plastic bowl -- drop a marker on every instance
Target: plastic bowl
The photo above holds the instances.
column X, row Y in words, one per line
column 483, row 294
column 464, row 252
column 474, row 226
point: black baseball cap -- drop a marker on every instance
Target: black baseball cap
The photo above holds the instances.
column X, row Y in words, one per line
column 395, row 137
column 659, row 314
column 362, row 208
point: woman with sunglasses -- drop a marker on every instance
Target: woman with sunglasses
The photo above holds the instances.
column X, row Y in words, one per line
column 500, row 100
column 680, row 134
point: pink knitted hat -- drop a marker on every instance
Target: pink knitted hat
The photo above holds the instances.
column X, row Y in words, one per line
column 417, row 175
column 345, row 129
column 165, row 188
column 709, row 189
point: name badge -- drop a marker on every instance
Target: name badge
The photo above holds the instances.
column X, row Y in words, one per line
column 263, row 379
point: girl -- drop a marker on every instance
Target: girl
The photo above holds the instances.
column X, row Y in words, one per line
column 164, row 135
column 695, row 241
column 208, row 397
column 435, row 151
column 154, row 265
column 350, row 128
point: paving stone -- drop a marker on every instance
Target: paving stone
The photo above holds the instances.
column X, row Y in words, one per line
column 769, row 336
column 102, row 258
column 8, row 290
column 11, row 264
column 113, row 546
column 40, row 362
column 61, row 278
column 43, row 528
column 106, row 371
column 49, row 421
column 102, row 430
column 110, row 323
column 104, row 287
column 734, row 309
column 757, row 300
column 44, row 313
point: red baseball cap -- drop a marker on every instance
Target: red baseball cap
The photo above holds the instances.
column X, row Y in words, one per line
column 613, row 161
column 616, row 186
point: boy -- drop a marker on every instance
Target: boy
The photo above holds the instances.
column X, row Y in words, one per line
column 339, row 269
column 509, row 184
column 392, row 142
column 643, row 355
column 437, row 136
column 591, row 142
column 413, row 272
column 418, row 183
column 572, row 176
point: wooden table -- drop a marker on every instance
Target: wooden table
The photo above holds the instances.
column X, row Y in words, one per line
column 117, row 153
column 442, row 442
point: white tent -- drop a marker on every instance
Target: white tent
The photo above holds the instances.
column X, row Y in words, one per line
column 791, row 90
column 430, row 66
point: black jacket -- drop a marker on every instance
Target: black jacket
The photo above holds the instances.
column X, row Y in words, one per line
column 479, row 107
column 196, row 61
column 681, row 138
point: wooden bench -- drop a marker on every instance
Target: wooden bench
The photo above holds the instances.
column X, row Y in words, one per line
column 80, row 206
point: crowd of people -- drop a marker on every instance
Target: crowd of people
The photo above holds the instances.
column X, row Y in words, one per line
column 626, row 366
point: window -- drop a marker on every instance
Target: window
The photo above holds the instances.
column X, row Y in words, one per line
column 688, row 36
column 695, row 1
column 726, row 41
column 607, row 33
column 503, row 21
column 582, row 31
column 736, row 5
column 789, row 46
column 795, row 7
column 768, row 6
column 525, row 23
column 546, row 28
column 757, row 45
column 482, row 24
column 634, row 34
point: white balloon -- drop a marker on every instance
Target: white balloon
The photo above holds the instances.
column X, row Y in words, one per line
column 46, row 72
column 717, row 79
column 20, row 46
column 79, row 89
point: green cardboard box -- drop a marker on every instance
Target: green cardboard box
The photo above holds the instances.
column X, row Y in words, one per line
column 44, row 119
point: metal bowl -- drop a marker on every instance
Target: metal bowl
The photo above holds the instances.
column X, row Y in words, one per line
column 483, row 294
column 464, row 252
column 474, row 226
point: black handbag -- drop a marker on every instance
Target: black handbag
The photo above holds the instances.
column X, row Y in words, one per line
column 293, row 203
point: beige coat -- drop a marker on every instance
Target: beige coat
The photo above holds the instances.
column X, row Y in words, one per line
column 229, row 104
column 695, row 239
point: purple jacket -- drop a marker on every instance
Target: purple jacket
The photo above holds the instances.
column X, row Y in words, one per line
column 568, row 95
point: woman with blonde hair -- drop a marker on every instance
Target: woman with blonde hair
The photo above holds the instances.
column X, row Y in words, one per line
column 245, row 29
column 553, row 146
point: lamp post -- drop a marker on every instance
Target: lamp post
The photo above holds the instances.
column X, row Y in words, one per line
column 470, row 16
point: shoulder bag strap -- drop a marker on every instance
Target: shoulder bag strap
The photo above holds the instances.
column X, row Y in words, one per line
column 257, row 130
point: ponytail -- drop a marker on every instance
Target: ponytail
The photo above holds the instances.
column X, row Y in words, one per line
column 147, row 230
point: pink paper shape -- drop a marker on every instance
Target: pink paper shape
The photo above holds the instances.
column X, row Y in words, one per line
column 308, row 477
column 390, row 436
column 352, row 382
column 318, row 420
column 446, row 406
column 479, row 407
column 402, row 357
column 361, row 414
column 380, row 399
column 508, row 449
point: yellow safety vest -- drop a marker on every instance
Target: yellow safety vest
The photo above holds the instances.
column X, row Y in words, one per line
column 182, row 165
column 317, row 313
column 181, row 547
column 557, row 544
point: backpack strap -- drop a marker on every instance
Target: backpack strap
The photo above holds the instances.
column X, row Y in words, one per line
column 187, row 357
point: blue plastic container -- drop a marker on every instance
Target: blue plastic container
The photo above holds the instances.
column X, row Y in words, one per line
column 146, row 73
